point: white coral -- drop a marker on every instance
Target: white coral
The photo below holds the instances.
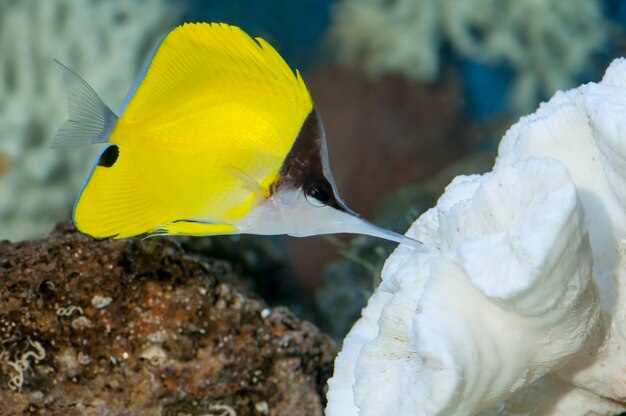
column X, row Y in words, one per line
column 546, row 42
column 505, row 289
column 104, row 41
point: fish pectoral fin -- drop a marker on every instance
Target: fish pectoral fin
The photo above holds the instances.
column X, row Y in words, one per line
column 195, row 228
column 248, row 182
column 90, row 121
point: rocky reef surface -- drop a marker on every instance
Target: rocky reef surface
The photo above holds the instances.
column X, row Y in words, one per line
column 140, row 327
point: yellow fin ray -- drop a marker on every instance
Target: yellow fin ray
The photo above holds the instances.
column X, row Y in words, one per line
column 195, row 228
column 200, row 65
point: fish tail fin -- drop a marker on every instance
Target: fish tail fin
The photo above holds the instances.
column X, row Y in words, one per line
column 90, row 121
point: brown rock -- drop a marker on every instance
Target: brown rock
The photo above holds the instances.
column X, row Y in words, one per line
column 137, row 327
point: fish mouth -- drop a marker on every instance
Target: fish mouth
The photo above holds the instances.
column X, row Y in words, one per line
column 342, row 219
column 362, row 226
column 367, row 228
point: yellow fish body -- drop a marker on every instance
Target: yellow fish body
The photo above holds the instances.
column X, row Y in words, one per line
column 217, row 136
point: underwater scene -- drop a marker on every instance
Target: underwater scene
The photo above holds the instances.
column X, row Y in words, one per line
column 313, row 207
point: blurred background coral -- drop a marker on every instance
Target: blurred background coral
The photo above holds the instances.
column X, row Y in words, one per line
column 412, row 93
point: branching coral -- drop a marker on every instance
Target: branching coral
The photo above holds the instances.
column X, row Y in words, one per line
column 547, row 42
column 106, row 42
column 519, row 286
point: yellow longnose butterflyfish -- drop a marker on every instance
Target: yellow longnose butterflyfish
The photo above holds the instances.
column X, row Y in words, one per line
column 217, row 136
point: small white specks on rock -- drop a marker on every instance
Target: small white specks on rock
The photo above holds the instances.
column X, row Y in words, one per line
column 265, row 313
column 36, row 396
column 67, row 359
column 154, row 355
column 285, row 341
column 262, row 407
column 157, row 337
column 81, row 322
column 83, row 358
column 100, row 302
column 68, row 311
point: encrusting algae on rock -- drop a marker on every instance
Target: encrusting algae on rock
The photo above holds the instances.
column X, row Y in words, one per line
column 138, row 327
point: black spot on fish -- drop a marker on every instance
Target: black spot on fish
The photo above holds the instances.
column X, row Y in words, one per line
column 109, row 156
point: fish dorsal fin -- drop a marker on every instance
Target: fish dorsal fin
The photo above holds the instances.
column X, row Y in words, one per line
column 90, row 121
column 141, row 75
column 215, row 77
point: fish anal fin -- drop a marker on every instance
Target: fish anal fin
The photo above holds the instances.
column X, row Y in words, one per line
column 196, row 228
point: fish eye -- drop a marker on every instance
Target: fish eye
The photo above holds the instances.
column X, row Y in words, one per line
column 318, row 192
